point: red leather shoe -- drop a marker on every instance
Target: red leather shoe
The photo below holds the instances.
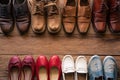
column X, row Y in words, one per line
column 42, row 71
column 114, row 23
column 28, row 68
column 55, row 68
column 99, row 17
column 14, row 68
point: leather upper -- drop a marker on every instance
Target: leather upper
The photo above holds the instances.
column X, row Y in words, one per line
column 22, row 15
column 42, row 62
column 6, row 18
column 55, row 62
column 29, row 61
column 114, row 15
column 99, row 16
column 69, row 15
column 14, row 62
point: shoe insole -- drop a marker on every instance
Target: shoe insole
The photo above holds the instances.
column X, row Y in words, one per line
column 54, row 73
column 19, row 1
column 70, row 3
column 69, row 76
column 4, row 2
column 84, row 2
column 81, row 76
column 43, row 73
column 14, row 73
column 27, row 73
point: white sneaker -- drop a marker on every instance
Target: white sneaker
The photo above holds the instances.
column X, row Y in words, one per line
column 81, row 66
column 68, row 66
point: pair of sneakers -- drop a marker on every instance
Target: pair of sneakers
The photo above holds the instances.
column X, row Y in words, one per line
column 71, row 69
column 104, row 71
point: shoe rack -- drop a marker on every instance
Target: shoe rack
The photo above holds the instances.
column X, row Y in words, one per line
column 59, row 44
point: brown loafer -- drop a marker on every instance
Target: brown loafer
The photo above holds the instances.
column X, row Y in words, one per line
column 38, row 16
column 53, row 16
column 6, row 18
column 22, row 15
column 114, row 23
column 83, row 16
column 99, row 15
column 69, row 16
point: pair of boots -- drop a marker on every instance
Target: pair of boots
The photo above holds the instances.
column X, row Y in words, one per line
column 106, row 12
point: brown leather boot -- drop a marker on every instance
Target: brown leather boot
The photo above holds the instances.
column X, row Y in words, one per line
column 99, row 15
column 6, row 18
column 114, row 15
column 22, row 15
column 69, row 16
column 53, row 16
column 83, row 16
column 38, row 15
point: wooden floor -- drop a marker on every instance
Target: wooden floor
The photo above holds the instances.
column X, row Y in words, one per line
column 60, row 44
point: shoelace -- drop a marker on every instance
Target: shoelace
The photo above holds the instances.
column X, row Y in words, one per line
column 39, row 8
column 52, row 8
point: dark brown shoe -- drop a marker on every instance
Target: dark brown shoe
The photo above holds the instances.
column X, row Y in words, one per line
column 99, row 15
column 6, row 18
column 114, row 15
column 22, row 15
column 69, row 16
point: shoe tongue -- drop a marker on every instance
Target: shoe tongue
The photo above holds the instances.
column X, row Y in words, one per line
column 99, row 78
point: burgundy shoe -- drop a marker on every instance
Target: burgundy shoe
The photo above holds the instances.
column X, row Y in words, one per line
column 42, row 71
column 114, row 23
column 99, row 15
column 28, row 68
column 14, row 68
column 22, row 15
column 55, row 68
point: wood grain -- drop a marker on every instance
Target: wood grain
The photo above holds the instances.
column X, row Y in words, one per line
column 60, row 44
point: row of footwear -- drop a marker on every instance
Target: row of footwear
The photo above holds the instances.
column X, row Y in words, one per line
column 55, row 14
column 54, row 69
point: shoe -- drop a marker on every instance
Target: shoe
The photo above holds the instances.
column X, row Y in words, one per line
column 55, row 68
column 69, row 16
column 53, row 16
column 28, row 68
column 99, row 15
column 95, row 68
column 42, row 68
column 22, row 15
column 38, row 16
column 6, row 18
column 83, row 16
column 68, row 67
column 81, row 68
column 114, row 15
column 14, row 68
column 110, row 68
